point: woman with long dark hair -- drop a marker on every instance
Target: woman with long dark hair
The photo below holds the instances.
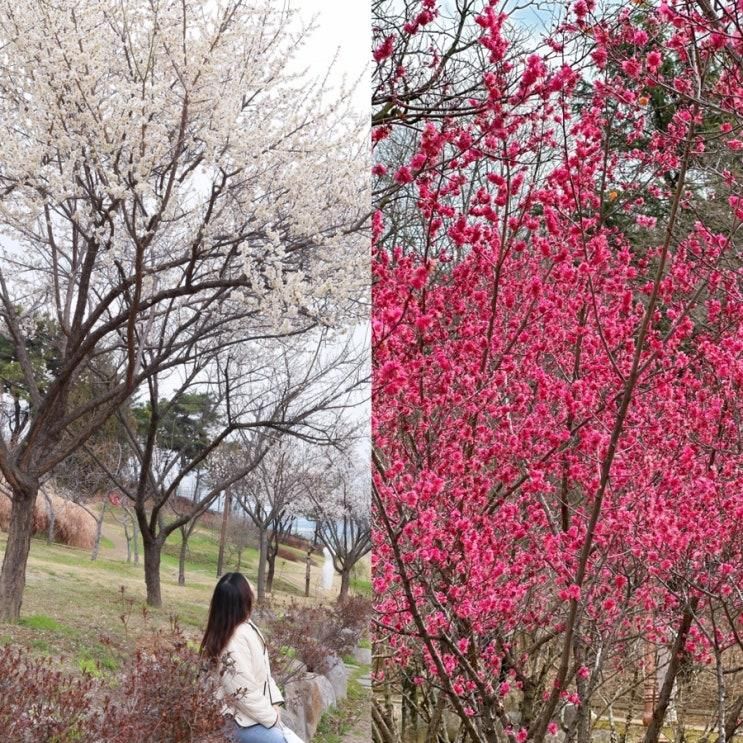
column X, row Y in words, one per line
column 237, row 649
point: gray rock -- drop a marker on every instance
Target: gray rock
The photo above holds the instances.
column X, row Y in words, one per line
column 568, row 714
column 293, row 721
column 362, row 656
column 294, row 706
column 307, row 699
column 337, row 674
column 294, row 669
column 514, row 715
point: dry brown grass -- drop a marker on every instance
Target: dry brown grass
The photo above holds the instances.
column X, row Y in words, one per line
column 73, row 525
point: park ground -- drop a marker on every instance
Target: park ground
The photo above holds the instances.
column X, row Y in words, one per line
column 91, row 615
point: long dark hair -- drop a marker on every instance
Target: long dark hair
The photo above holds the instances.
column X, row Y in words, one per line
column 232, row 603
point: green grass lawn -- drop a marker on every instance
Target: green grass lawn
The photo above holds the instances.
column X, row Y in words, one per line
column 93, row 614
column 203, row 550
column 75, row 608
column 361, row 584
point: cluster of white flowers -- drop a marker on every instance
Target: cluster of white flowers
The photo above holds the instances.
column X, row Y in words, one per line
column 179, row 126
column 345, row 487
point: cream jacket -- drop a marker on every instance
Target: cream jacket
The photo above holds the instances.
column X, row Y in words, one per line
column 247, row 689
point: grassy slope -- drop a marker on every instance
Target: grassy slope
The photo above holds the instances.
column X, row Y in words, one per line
column 93, row 613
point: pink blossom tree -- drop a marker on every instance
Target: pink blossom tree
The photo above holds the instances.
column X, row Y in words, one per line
column 558, row 334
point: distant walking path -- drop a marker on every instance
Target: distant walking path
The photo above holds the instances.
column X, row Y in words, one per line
column 356, row 708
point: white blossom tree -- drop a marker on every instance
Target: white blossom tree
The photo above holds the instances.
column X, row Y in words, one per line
column 163, row 174
column 341, row 502
column 272, row 492
column 265, row 394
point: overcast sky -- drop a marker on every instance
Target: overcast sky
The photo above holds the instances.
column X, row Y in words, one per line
column 343, row 26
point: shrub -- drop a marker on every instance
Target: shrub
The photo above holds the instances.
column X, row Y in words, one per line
column 354, row 613
column 317, row 633
column 40, row 703
column 166, row 696
column 287, row 633
column 162, row 696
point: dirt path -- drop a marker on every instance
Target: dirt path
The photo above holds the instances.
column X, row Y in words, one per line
column 361, row 731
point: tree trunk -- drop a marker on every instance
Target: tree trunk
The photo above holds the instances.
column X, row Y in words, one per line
column 271, row 570
column 584, row 689
column 135, row 540
column 223, row 535
column 583, row 716
column 131, row 541
column 383, row 726
column 677, row 654
column 649, row 689
column 731, row 725
column 631, row 706
column 50, row 533
column 98, row 533
column 262, row 558
column 152, row 554
column 437, row 719
column 345, row 584
column 721, row 693
column 273, row 553
column 128, row 543
column 13, row 573
column 663, row 660
column 182, row 557
column 308, row 566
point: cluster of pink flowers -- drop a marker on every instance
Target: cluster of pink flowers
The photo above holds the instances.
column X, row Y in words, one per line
column 557, row 376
